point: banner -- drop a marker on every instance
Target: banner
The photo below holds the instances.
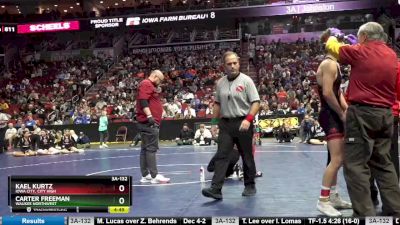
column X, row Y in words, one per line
column 103, row 53
column 48, row 27
column 62, row 55
column 268, row 125
column 106, row 22
column 205, row 16
column 293, row 37
column 139, row 20
column 174, row 48
column 292, row 9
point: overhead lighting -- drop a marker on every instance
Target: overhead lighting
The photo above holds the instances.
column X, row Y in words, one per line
column 78, row 3
column 101, row 2
column 71, row 7
column 17, row 6
column 65, row 10
column 124, row 0
column 116, row 3
column 48, row 8
column 3, row 6
column 55, row 5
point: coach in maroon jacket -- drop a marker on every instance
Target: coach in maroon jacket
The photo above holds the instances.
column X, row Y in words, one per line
column 369, row 119
column 148, row 114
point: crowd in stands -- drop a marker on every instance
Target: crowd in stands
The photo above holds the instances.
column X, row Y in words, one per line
column 47, row 93
column 287, row 85
column 187, row 91
column 53, row 93
column 287, row 74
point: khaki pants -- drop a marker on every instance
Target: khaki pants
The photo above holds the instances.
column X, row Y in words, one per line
column 367, row 145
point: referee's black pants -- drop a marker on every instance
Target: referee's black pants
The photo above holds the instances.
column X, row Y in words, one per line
column 3, row 144
column 229, row 135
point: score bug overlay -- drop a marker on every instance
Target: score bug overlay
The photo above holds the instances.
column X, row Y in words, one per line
column 69, row 193
column 60, row 220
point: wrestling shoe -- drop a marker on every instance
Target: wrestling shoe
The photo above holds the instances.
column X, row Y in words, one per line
column 146, row 179
column 338, row 203
column 160, row 179
column 327, row 209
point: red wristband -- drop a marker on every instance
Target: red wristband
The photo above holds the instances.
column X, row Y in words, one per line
column 249, row 118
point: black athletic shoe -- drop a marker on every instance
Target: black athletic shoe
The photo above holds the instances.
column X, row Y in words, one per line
column 212, row 193
column 249, row 190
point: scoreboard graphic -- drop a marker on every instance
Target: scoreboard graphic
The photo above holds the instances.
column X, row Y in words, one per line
column 69, row 194
column 59, row 220
column 41, row 198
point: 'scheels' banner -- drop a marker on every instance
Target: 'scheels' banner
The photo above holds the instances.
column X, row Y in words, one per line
column 48, row 27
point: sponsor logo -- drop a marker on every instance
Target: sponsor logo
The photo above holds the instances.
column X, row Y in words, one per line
column 239, row 88
column 133, row 21
column 48, row 27
column 107, row 22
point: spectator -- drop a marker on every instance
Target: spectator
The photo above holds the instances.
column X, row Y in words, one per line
column 30, row 122
column 203, row 136
column 68, row 144
column 83, row 141
column 305, row 128
column 3, row 124
column 10, row 136
column 284, row 134
column 103, row 129
column 3, row 105
column 317, row 134
column 186, row 136
column 189, row 112
column 25, row 144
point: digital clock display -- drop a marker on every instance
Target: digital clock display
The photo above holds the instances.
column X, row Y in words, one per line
column 8, row 29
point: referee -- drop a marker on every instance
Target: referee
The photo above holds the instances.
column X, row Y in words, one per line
column 236, row 103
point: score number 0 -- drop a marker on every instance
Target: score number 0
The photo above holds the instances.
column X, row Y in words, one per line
column 121, row 200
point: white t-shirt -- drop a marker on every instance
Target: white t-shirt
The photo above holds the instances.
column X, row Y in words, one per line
column 192, row 112
column 10, row 132
column 4, row 119
column 205, row 134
